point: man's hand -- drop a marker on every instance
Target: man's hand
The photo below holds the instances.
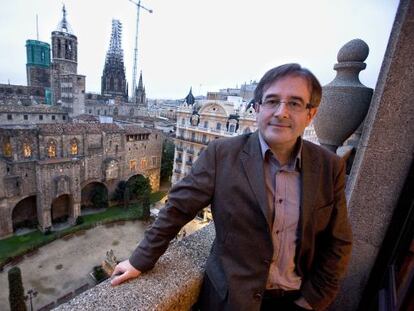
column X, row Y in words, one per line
column 123, row 272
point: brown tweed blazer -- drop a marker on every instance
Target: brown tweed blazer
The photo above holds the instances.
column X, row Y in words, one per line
column 229, row 176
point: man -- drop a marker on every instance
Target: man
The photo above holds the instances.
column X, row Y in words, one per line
column 283, row 239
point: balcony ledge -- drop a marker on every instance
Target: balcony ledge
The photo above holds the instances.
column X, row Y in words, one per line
column 173, row 284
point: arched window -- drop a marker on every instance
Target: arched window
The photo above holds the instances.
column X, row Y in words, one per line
column 7, row 148
column 51, row 149
column 74, row 146
column 232, row 128
column 27, row 150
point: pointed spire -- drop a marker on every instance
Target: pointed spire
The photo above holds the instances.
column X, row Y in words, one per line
column 140, row 84
column 190, row 100
column 63, row 25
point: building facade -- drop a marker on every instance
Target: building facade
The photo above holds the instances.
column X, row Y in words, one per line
column 199, row 123
column 49, row 171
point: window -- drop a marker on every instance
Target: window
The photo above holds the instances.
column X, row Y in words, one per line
column 154, row 161
column 63, row 117
column 40, row 117
column 143, row 163
column 182, row 121
column 193, row 136
column 53, row 117
column 132, row 165
column 218, row 126
column 51, row 149
column 7, row 148
column 99, row 112
column 205, row 124
column 74, row 146
column 9, row 117
column 25, row 117
column 90, row 111
column 27, row 150
column 232, row 128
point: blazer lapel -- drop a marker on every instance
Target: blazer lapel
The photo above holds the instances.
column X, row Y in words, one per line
column 252, row 160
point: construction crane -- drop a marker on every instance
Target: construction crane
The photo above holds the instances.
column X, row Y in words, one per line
column 134, row 69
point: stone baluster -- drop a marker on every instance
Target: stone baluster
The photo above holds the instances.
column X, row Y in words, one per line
column 345, row 100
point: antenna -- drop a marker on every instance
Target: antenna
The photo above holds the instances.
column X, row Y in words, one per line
column 37, row 28
column 134, row 69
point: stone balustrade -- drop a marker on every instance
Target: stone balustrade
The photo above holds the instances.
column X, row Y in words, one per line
column 173, row 284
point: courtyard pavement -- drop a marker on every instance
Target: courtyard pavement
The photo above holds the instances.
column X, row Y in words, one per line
column 63, row 266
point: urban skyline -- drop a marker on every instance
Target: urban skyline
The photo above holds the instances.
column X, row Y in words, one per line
column 206, row 46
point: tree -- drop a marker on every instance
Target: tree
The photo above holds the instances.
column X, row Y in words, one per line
column 138, row 188
column 119, row 192
column 99, row 198
column 16, row 290
column 167, row 160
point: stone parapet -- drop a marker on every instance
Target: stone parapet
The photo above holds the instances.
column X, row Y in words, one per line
column 173, row 284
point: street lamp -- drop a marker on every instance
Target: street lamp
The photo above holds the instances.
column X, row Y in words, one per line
column 31, row 293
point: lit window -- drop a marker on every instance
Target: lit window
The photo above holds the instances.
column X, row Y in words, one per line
column 51, row 149
column 7, row 149
column 74, row 147
column 27, row 150
column 132, row 165
column 143, row 163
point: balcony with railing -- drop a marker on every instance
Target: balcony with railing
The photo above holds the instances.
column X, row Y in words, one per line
column 173, row 284
column 212, row 131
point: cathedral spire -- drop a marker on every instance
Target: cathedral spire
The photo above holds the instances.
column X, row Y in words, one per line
column 63, row 25
column 140, row 84
column 113, row 79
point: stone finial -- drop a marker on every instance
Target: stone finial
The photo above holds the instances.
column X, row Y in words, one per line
column 345, row 100
column 354, row 51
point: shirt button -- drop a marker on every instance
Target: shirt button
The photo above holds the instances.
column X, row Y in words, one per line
column 257, row 296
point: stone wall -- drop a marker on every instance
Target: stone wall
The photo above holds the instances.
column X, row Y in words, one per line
column 173, row 284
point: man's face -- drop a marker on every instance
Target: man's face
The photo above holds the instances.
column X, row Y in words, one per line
column 281, row 127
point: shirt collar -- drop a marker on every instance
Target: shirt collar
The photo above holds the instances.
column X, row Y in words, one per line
column 296, row 159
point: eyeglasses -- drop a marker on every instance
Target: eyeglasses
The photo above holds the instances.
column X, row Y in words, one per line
column 294, row 105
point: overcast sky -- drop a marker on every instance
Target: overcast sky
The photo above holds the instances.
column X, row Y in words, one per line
column 204, row 44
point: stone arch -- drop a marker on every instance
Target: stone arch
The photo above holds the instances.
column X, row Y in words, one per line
column 94, row 195
column 60, row 208
column 24, row 214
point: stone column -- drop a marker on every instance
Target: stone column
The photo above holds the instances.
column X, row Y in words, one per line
column 6, row 221
column 383, row 158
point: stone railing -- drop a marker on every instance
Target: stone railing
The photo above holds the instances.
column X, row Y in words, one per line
column 173, row 284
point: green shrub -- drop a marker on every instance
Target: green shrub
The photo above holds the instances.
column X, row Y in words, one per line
column 16, row 290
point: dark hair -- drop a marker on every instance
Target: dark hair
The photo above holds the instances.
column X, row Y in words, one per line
column 282, row 71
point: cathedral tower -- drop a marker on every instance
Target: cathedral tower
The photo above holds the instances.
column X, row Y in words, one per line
column 113, row 81
column 68, row 88
column 140, row 97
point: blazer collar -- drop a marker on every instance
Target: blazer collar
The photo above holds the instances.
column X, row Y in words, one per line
column 252, row 160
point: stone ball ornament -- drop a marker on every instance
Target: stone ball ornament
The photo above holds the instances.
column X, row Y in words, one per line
column 345, row 100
